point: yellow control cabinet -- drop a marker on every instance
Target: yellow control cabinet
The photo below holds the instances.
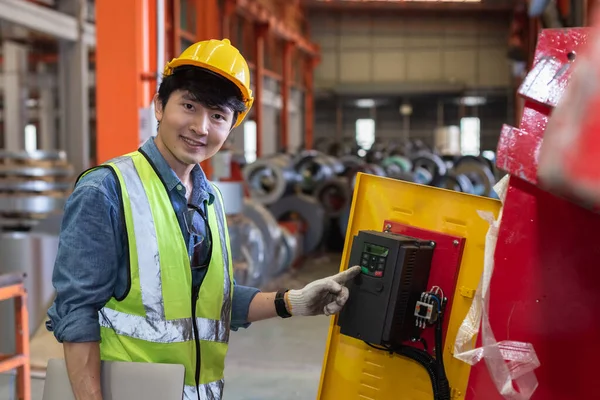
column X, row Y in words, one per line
column 352, row 369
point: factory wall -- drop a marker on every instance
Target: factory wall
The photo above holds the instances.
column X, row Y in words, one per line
column 389, row 123
column 397, row 53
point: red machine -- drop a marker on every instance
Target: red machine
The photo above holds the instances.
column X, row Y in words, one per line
column 545, row 284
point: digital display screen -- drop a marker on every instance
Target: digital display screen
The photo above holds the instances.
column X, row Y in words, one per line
column 376, row 250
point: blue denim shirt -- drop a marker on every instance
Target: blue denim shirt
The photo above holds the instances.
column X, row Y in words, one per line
column 91, row 264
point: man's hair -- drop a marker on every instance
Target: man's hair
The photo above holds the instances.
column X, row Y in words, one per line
column 205, row 87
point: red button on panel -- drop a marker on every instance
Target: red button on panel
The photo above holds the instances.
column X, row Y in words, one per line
column 378, row 273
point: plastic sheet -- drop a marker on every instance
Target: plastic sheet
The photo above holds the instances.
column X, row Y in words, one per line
column 247, row 251
column 511, row 364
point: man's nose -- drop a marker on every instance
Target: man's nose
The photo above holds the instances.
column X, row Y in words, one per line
column 201, row 123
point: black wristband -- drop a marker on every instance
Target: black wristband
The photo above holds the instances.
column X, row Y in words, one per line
column 280, row 306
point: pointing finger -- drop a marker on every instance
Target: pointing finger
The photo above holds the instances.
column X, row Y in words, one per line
column 346, row 275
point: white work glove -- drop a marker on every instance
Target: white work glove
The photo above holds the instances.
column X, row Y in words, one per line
column 324, row 296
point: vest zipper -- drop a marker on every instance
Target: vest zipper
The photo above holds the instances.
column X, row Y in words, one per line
column 195, row 292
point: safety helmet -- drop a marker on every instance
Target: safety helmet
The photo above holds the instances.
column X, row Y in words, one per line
column 220, row 57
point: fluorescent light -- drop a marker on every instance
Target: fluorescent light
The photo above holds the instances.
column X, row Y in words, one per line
column 473, row 101
column 365, row 103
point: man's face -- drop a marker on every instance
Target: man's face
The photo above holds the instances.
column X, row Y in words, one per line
column 191, row 132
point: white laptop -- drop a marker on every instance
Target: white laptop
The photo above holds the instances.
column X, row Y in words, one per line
column 121, row 381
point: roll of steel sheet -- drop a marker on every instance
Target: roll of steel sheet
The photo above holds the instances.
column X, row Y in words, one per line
column 431, row 162
column 247, row 251
column 314, row 167
column 403, row 163
column 36, row 206
column 309, row 211
column 270, row 230
column 458, row 183
column 32, row 186
column 270, row 178
column 37, row 155
column 334, row 194
column 292, row 245
column 479, row 174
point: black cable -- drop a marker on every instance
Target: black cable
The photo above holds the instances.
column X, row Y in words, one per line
column 433, row 365
column 426, row 362
column 443, row 384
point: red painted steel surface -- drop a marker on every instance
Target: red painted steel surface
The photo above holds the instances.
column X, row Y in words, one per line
column 444, row 265
column 545, row 285
column 569, row 160
column 545, row 291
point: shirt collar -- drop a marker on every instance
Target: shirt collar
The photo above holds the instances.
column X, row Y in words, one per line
column 169, row 177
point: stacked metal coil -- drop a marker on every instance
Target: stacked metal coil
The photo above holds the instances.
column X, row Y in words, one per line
column 32, row 186
column 316, row 186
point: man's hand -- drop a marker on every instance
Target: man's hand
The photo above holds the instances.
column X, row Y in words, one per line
column 324, row 296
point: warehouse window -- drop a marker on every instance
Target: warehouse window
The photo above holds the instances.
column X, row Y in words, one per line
column 30, row 138
column 470, row 136
column 365, row 133
column 250, row 141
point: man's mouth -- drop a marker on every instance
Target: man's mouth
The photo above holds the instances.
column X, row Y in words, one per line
column 192, row 142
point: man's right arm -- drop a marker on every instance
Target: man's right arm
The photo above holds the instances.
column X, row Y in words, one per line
column 83, row 367
column 85, row 274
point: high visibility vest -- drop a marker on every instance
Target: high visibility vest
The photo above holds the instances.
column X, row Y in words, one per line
column 153, row 322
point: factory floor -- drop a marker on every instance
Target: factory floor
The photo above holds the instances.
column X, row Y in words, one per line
column 273, row 359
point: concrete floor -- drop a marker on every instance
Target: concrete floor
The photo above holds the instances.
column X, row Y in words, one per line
column 273, row 359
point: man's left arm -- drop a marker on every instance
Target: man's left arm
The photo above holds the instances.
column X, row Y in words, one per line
column 324, row 296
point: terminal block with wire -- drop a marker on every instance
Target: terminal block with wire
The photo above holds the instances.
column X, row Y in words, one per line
column 429, row 307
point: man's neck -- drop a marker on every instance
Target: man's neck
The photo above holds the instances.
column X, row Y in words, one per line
column 183, row 171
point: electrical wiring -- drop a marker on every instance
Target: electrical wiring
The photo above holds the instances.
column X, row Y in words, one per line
column 433, row 364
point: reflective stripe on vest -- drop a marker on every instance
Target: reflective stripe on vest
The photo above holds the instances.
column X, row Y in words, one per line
column 209, row 391
column 139, row 188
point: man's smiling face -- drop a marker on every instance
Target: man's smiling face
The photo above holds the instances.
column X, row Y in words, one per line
column 191, row 131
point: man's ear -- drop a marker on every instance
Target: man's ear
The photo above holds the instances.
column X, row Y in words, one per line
column 158, row 108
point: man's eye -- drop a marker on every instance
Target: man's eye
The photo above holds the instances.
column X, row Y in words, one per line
column 219, row 117
column 188, row 106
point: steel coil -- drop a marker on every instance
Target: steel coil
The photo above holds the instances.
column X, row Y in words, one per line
column 458, row 183
column 309, row 211
column 314, row 167
column 32, row 186
column 478, row 172
column 269, row 179
column 290, row 250
column 334, row 194
column 247, row 251
column 270, row 230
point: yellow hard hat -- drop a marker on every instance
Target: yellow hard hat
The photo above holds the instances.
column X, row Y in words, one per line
column 220, row 57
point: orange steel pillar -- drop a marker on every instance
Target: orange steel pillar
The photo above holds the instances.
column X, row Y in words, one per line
column 309, row 102
column 261, row 33
column 123, row 65
column 286, row 78
column 208, row 20
column 228, row 15
column 208, row 26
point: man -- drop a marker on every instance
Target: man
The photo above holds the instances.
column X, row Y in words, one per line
column 143, row 271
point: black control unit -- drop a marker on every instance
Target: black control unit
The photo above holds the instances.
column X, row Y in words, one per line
column 395, row 271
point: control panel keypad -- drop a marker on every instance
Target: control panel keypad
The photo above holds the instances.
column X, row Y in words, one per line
column 373, row 265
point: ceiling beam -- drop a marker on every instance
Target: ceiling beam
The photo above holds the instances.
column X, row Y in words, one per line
column 47, row 21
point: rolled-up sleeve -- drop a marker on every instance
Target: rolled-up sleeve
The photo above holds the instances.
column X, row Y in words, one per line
column 242, row 297
column 85, row 270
